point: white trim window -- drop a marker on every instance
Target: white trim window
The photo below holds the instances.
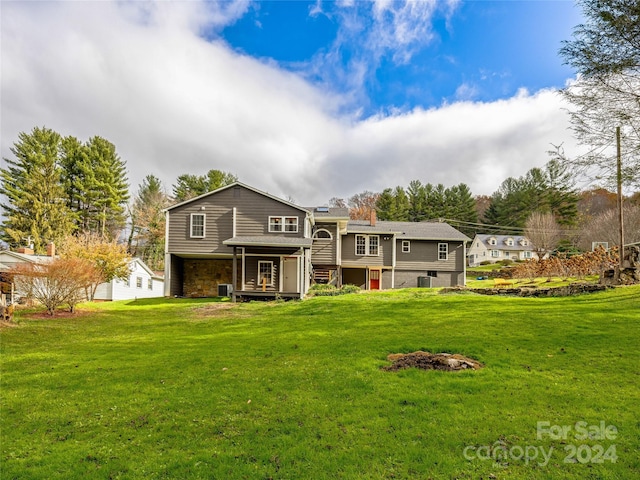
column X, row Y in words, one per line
column 495, row 253
column 443, row 251
column 265, row 272
column 406, row 246
column 510, row 242
column 527, row 254
column 197, row 227
column 368, row 245
column 149, row 284
column 493, row 241
column 138, row 282
column 323, row 234
column 283, row 224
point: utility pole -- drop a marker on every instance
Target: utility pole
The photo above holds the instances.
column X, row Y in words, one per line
column 619, row 182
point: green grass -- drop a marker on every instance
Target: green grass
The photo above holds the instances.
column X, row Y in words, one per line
column 182, row 389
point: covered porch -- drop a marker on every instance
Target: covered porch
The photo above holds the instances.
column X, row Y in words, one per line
column 270, row 267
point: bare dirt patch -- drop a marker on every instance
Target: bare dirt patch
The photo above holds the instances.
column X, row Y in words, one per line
column 449, row 362
column 213, row 308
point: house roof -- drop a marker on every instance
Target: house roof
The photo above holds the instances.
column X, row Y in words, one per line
column 501, row 242
column 24, row 257
column 146, row 268
column 326, row 213
column 233, row 185
column 269, row 241
column 409, row 230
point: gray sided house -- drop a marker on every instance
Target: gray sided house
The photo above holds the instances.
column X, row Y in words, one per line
column 382, row 255
column 259, row 245
column 239, row 236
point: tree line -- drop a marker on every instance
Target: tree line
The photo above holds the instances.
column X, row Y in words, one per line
column 59, row 187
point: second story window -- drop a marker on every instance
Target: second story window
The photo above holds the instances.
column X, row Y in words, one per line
column 443, row 251
column 406, row 246
column 283, row 224
column 197, row 225
column 367, row 245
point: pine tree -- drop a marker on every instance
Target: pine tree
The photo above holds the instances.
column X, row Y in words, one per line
column 385, row 206
column 401, row 205
column 417, row 201
column 95, row 181
column 190, row 186
column 36, row 211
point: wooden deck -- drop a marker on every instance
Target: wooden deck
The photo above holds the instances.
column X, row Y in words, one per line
column 246, row 295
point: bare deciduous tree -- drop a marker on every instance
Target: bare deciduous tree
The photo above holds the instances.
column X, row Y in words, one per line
column 543, row 231
column 61, row 282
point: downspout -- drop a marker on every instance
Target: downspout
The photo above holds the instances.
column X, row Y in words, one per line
column 393, row 262
column 234, row 223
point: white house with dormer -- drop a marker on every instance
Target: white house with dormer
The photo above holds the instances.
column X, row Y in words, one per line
column 494, row 248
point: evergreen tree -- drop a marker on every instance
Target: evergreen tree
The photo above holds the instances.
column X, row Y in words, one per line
column 189, row 186
column 463, row 207
column 544, row 191
column 417, row 201
column 386, row 205
column 401, row 205
column 36, row 211
column 96, row 185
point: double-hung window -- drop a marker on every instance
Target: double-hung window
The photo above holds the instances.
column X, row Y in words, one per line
column 443, row 251
column 265, row 273
column 406, row 246
column 367, row 245
column 283, row 224
column 197, row 225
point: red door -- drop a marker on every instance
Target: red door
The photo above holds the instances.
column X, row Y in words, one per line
column 374, row 279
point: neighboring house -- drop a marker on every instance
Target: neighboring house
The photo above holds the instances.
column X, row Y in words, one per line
column 260, row 245
column 493, row 248
column 9, row 259
column 142, row 282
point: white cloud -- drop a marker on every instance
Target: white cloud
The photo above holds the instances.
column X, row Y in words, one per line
column 175, row 103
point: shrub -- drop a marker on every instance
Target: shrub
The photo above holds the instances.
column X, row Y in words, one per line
column 326, row 290
column 62, row 281
column 485, row 262
column 350, row 289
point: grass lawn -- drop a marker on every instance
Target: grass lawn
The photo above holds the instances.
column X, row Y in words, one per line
column 204, row 389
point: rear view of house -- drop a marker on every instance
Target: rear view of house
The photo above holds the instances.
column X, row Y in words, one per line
column 238, row 236
column 241, row 240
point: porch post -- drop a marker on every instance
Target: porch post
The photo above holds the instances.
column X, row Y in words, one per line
column 234, row 274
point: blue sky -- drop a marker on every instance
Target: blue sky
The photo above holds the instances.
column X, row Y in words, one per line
column 475, row 50
column 306, row 100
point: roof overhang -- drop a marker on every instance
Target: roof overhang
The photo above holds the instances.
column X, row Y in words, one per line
column 269, row 241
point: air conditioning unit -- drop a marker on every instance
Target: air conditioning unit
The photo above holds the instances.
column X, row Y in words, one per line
column 225, row 289
column 424, row 282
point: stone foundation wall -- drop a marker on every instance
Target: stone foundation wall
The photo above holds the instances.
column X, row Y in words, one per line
column 202, row 277
column 566, row 291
